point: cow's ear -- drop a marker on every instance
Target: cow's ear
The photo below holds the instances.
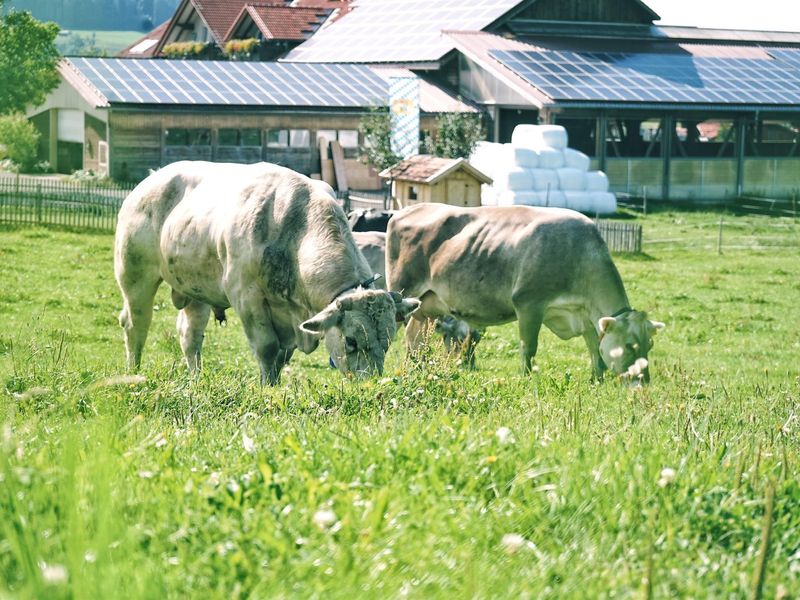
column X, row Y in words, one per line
column 323, row 321
column 404, row 306
column 606, row 323
column 654, row 326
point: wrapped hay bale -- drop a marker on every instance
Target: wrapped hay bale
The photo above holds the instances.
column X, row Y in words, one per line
column 526, row 198
column 550, row 158
column 570, row 179
column 596, row 181
column 513, row 178
column 525, row 157
column 544, row 179
column 580, row 201
column 603, row 203
column 539, row 136
column 554, row 198
column 575, row 159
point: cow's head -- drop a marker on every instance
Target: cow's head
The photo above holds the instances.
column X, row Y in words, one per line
column 624, row 343
column 358, row 327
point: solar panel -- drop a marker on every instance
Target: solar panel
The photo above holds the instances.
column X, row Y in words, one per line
column 683, row 78
column 149, row 81
column 398, row 30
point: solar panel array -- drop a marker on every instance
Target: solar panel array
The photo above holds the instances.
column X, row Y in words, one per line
column 675, row 78
column 233, row 83
column 398, row 30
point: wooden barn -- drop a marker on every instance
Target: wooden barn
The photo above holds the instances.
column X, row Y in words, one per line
column 676, row 113
column 123, row 117
column 426, row 178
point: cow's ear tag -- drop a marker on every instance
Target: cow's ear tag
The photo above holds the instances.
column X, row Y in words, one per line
column 605, row 323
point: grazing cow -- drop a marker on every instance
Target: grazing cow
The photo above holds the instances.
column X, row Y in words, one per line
column 459, row 338
column 369, row 219
column 269, row 242
column 493, row 265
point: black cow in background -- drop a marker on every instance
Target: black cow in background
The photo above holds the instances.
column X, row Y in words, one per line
column 369, row 219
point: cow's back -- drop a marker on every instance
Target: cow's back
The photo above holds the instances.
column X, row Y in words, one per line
column 477, row 261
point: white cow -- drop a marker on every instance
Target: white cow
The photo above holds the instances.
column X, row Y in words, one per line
column 269, row 242
column 459, row 338
column 492, row 265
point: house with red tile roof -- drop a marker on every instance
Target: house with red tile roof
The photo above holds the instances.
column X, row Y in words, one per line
column 279, row 25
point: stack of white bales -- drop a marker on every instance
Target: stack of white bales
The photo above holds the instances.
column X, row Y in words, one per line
column 538, row 169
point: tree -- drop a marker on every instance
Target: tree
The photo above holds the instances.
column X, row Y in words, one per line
column 28, row 60
column 19, row 141
column 456, row 135
column 376, row 129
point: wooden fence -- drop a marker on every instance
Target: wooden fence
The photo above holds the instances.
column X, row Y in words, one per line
column 52, row 201
column 621, row 237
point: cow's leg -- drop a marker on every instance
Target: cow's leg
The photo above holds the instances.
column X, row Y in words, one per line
column 530, row 323
column 264, row 342
column 593, row 345
column 138, row 291
column 191, row 324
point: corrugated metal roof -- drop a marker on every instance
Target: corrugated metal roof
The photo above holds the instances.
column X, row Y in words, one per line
column 398, row 31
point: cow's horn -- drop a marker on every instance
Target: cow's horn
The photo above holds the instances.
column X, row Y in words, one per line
column 397, row 297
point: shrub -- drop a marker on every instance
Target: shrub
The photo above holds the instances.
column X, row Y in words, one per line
column 456, row 135
column 20, row 140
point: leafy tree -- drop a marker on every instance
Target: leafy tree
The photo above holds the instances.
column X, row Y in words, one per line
column 376, row 129
column 456, row 135
column 28, row 59
column 19, row 141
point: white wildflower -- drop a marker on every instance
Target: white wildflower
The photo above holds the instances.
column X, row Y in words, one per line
column 504, row 436
column 324, row 518
column 146, row 474
column 248, row 443
column 667, row 477
column 512, row 543
column 54, row 574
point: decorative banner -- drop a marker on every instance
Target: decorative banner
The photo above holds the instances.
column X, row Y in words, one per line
column 404, row 113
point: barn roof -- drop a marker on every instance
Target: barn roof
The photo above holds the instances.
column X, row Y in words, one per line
column 424, row 168
column 109, row 81
column 398, row 31
column 231, row 83
column 639, row 73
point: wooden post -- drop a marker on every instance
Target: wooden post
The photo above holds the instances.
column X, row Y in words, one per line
column 644, row 201
column 719, row 237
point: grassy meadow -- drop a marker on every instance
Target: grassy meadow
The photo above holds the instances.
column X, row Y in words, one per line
column 428, row 482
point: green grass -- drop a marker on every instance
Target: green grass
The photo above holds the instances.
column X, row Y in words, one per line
column 170, row 486
column 110, row 41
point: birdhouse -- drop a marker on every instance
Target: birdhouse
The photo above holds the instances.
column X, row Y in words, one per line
column 426, row 178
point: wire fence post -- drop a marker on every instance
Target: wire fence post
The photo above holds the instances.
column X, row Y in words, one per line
column 38, row 202
column 719, row 237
